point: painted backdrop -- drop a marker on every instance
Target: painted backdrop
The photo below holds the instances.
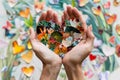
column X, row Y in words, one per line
column 18, row 61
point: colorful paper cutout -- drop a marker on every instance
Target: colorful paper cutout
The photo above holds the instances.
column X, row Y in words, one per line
column 25, row 13
column 110, row 19
column 97, row 11
column 28, row 70
column 83, row 2
column 27, row 57
column 7, row 26
column 17, row 48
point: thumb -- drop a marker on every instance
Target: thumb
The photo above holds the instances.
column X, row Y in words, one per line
column 32, row 34
column 90, row 35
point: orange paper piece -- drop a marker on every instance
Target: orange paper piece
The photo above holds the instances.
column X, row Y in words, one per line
column 16, row 48
column 112, row 40
column 42, row 34
column 29, row 45
column 28, row 70
column 118, row 29
column 97, row 11
column 96, row 1
column 39, row 6
column 116, row 3
column 110, row 19
column 83, row 2
column 28, row 56
column 60, row 49
column 25, row 13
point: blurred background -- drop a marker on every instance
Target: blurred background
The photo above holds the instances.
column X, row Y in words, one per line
column 18, row 61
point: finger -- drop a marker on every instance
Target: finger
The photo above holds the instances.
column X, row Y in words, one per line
column 32, row 34
column 43, row 16
column 69, row 12
column 63, row 19
column 78, row 15
column 66, row 17
column 55, row 18
column 49, row 15
column 82, row 41
column 90, row 35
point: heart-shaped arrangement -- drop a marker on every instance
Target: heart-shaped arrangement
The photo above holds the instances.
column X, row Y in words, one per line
column 59, row 39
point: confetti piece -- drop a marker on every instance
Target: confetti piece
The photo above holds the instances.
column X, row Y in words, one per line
column 29, row 45
column 112, row 39
column 92, row 57
column 83, row 2
column 28, row 70
column 107, row 5
column 110, row 19
column 8, row 34
column 7, row 26
column 117, row 50
column 116, row 3
column 17, row 48
column 96, row 1
column 97, row 11
column 27, row 57
column 39, row 6
column 118, row 29
column 25, row 13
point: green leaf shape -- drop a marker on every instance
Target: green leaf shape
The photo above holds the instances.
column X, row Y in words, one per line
column 71, row 29
column 57, row 36
column 29, row 22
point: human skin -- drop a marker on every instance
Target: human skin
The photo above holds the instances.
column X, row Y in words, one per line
column 73, row 59
column 51, row 61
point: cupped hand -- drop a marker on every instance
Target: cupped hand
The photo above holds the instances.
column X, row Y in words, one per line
column 82, row 50
column 42, row 52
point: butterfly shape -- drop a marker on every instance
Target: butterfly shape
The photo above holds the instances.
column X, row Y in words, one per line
column 96, row 1
column 110, row 19
column 112, row 39
column 107, row 5
column 83, row 2
column 17, row 48
column 7, row 26
column 9, row 34
column 97, row 11
column 28, row 70
column 25, row 13
column 118, row 29
column 27, row 57
column 39, row 6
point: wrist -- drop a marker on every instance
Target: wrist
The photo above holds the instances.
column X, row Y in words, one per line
column 51, row 71
column 73, row 70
